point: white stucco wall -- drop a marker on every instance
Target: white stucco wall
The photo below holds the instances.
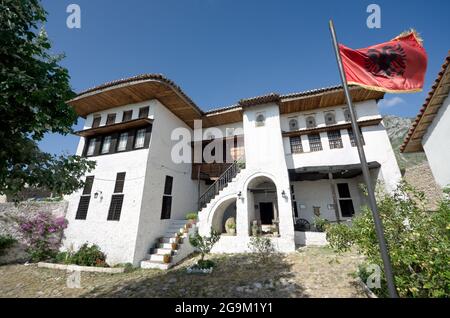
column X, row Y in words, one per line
column 318, row 193
column 377, row 145
column 160, row 165
column 116, row 238
column 129, row 239
column 436, row 144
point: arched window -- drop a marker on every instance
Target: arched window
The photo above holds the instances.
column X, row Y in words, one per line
column 260, row 120
column 293, row 124
column 330, row 119
column 310, row 122
column 347, row 115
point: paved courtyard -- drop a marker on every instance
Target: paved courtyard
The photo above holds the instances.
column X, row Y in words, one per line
column 309, row 272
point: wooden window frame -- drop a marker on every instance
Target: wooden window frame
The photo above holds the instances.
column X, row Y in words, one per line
column 335, row 139
column 144, row 112
column 96, row 121
column 111, row 119
column 351, row 135
column 136, row 138
column 345, row 198
column 315, row 145
column 296, row 144
column 127, row 115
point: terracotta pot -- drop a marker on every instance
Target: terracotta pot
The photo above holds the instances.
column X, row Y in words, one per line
column 174, row 246
column 166, row 259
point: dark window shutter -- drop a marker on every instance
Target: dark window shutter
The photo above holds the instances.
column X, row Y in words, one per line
column 166, row 207
column 143, row 112
column 88, row 185
column 83, row 207
column 120, row 182
column 127, row 115
column 115, row 208
column 168, row 185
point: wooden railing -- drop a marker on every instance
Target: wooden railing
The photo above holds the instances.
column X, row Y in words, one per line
column 221, row 182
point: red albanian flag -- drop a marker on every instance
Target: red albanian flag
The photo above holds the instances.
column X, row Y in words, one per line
column 397, row 66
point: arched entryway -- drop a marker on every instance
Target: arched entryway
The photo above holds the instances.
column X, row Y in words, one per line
column 223, row 212
column 262, row 204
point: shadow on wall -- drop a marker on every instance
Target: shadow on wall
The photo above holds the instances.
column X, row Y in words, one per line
column 240, row 275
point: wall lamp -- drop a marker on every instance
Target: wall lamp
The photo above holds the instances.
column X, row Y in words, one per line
column 283, row 194
column 97, row 194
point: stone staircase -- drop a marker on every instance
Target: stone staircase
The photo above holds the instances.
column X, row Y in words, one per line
column 223, row 182
column 172, row 248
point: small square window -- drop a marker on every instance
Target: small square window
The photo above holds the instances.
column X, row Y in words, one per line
column 96, row 122
column 310, row 122
column 143, row 112
column 127, row 115
column 260, row 120
column 111, row 119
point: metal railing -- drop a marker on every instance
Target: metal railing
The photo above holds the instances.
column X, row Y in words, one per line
column 221, row 182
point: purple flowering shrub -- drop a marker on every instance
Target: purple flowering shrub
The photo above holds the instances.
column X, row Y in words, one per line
column 42, row 234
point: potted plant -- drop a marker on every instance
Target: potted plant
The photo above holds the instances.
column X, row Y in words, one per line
column 232, row 229
column 192, row 217
column 230, row 226
column 174, row 246
column 166, row 259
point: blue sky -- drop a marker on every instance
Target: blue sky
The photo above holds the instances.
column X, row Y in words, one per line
column 220, row 51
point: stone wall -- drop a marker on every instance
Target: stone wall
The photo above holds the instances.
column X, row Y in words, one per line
column 9, row 213
column 421, row 178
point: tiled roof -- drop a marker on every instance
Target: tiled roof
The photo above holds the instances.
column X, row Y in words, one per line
column 424, row 107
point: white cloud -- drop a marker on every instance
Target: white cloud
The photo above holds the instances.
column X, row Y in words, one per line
column 391, row 102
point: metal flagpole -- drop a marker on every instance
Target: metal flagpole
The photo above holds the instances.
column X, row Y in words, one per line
column 365, row 170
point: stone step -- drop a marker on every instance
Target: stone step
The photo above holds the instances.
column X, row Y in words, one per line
column 165, row 245
column 155, row 265
column 163, row 251
column 158, row 258
column 170, row 239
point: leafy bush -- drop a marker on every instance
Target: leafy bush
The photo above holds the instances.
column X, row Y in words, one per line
column 418, row 242
column 89, row 256
column 42, row 235
column 321, row 224
column 192, row 216
column 262, row 247
column 205, row 264
column 6, row 241
column 204, row 243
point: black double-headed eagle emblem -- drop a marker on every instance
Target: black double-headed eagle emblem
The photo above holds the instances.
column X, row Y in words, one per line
column 388, row 61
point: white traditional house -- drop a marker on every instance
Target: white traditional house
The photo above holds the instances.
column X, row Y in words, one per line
column 431, row 130
column 289, row 159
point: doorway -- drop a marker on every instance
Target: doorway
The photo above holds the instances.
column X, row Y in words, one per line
column 266, row 212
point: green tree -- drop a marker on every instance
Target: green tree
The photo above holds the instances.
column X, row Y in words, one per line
column 419, row 241
column 33, row 92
